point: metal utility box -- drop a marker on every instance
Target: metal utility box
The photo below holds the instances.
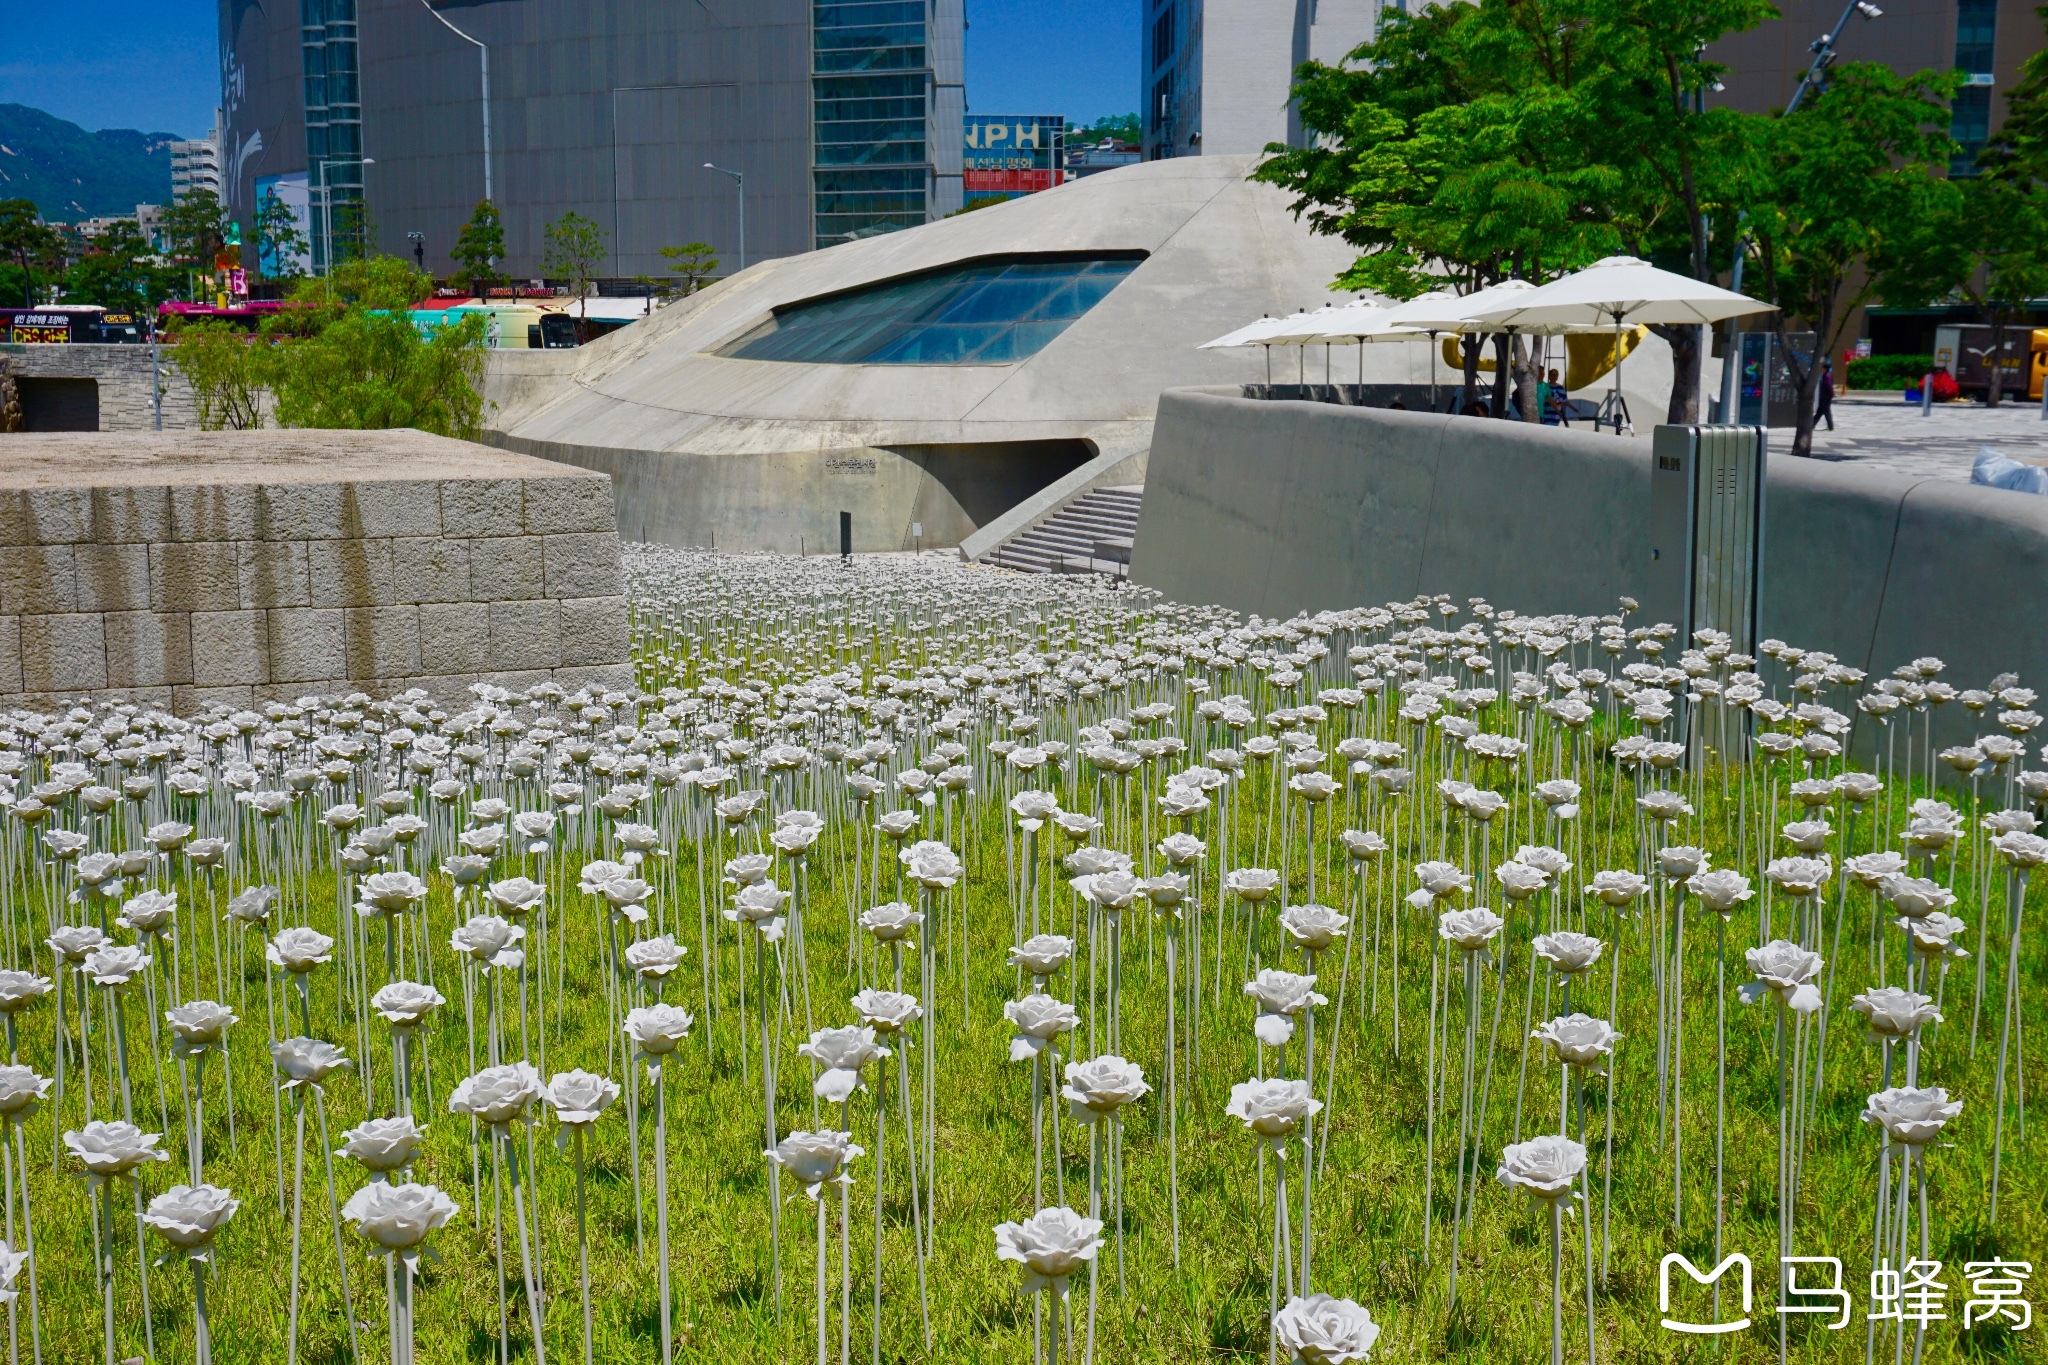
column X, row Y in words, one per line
column 1707, row 531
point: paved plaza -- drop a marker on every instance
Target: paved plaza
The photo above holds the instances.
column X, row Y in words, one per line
column 1878, row 431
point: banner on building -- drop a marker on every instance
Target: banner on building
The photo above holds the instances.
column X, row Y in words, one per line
column 1007, row 155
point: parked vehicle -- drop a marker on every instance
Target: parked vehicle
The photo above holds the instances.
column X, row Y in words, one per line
column 1965, row 352
column 67, row 323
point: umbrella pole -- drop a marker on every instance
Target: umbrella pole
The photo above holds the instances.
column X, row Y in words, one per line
column 1269, row 365
column 1432, row 371
column 1617, row 406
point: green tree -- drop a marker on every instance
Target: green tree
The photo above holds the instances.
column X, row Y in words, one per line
column 1451, row 150
column 379, row 283
column 1679, row 160
column 480, row 246
column 195, row 229
column 575, row 248
column 1122, row 127
column 278, row 238
column 228, row 370
column 1989, row 240
column 370, row 368
column 29, row 243
column 353, row 233
column 119, row 270
column 692, row 263
column 1843, row 198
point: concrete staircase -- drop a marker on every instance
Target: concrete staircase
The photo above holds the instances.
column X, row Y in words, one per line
column 1091, row 534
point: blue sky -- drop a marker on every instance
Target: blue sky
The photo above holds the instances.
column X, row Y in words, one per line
column 154, row 64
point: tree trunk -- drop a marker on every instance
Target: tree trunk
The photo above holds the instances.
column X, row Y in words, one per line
column 1502, row 363
column 1806, row 373
column 1526, row 377
column 1470, row 350
column 1687, row 359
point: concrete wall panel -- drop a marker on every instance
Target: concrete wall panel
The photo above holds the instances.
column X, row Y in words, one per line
column 1275, row 508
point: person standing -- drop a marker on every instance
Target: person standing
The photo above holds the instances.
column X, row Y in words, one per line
column 1824, row 410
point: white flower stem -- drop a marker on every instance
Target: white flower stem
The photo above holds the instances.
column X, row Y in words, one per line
column 334, row 1215
column 2015, row 904
column 881, row 1146
column 28, row 1233
column 498, row 1246
column 824, row 1317
column 768, row 1124
column 1172, row 1088
column 202, row 1337
column 298, row 1222
column 519, row 1182
column 1094, row 1211
column 583, row 1245
column 1556, row 1281
column 661, row 1208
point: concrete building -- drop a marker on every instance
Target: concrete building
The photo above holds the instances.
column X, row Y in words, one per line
column 843, row 119
column 1216, row 73
column 195, row 165
column 929, row 381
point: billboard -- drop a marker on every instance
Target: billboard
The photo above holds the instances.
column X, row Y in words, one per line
column 290, row 189
column 1008, row 155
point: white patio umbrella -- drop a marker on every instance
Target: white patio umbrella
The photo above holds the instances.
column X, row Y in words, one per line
column 1406, row 321
column 1621, row 291
column 1356, row 322
column 1260, row 333
column 1470, row 313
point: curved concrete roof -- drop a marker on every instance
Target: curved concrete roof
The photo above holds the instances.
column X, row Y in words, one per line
column 1219, row 250
column 754, row 454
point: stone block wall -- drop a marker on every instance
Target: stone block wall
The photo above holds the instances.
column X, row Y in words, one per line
column 124, row 376
column 161, row 567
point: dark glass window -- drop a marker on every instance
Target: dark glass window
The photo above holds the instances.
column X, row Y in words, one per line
column 1970, row 125
column 1976, row 34
column 977, row 313
column 1162, row 37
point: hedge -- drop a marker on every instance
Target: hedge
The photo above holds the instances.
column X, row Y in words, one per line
column 1889, row 371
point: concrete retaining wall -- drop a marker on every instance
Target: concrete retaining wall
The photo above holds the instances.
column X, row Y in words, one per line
column 240, row 566
column 123, row 376
column 789, row 502
column 1277, row 507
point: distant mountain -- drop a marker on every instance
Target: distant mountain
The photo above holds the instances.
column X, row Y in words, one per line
column 72, row 174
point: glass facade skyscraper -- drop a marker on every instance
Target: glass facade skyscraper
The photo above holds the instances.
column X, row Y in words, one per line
column 334, row 128
column 1970, row 111
column 843, row 117
column 872, row 105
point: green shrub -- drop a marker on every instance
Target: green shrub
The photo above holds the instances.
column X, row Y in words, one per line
column 1889, row 371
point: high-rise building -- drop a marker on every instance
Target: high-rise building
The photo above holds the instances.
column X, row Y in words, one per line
column 1983, row 41
column 1216, row 73
column 195, row 165
column 828, row 122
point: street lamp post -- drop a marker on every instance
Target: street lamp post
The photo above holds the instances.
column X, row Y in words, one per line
column 741, row 181
column 1823, row 49
column 484, row 59
column 327, row 206
column 419, row 248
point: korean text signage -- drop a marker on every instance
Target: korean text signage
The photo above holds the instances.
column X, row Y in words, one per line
column 1010, row 154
